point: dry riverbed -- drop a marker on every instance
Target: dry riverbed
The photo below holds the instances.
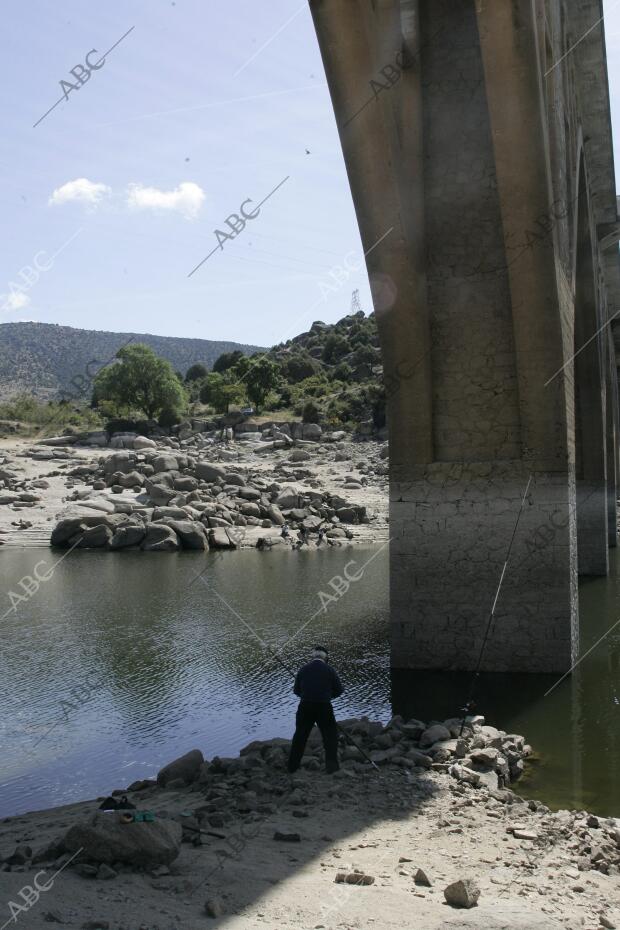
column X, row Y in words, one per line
column 197, row 491
column 240, row 843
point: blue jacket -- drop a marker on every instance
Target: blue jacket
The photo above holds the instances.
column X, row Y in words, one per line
column 317, row 681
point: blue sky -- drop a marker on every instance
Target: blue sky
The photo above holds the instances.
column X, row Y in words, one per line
column 114, row 197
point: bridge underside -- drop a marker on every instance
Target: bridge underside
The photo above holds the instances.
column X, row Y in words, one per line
column 481, row 170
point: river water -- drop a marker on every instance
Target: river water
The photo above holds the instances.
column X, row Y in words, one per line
column 122, row 661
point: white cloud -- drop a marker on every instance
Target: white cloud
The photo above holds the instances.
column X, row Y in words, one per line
column 14, row 301
column 187, row 198
column 81, row 190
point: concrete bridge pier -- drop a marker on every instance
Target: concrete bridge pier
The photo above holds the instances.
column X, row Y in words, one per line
column 451, row 527
column 473, row 197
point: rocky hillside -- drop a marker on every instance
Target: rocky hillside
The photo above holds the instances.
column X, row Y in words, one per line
column 334, row 374
column 42, row 358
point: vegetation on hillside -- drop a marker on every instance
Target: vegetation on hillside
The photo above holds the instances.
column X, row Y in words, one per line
column 47, row 418
column 59, row 362
column 331, row 375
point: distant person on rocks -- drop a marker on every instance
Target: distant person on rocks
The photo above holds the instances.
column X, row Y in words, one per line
column 321, row 537
column 303, row 537
column 316, row 684
column 285, row 532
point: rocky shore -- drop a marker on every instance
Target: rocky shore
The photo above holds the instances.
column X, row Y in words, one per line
column 196, row 490
column 432, row 837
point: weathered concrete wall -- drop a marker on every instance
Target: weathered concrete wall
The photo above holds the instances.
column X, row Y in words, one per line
column 475, row 401
column 462, row 517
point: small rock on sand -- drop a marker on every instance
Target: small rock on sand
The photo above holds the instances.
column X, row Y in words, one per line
column 421, row 878
column 463, row 893
column 214, row 907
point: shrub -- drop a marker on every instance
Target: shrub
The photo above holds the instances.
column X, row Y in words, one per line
column 310, row 413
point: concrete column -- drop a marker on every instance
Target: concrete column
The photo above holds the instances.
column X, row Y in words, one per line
column 451, row 158
column 612, row 448
column 590, row 348
column 497, row 324
column 450, row 536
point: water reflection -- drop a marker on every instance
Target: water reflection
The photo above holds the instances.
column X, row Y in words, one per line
column 178, row 669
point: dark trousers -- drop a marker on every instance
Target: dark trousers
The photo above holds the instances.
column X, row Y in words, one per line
column 309, row 713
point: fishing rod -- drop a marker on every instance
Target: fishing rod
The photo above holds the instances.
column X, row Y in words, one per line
column 470, row 703
column 275, row 656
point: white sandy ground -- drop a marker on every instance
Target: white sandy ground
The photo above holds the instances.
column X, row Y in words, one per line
column 370, row 822
column 54, row 505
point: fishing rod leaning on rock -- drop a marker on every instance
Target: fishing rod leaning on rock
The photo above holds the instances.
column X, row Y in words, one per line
column 469, row 705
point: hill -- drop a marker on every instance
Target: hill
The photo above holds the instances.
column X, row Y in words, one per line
column 334, row 373
column 42, row 358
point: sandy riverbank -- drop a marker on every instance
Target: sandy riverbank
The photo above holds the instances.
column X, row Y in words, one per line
column 273, row 846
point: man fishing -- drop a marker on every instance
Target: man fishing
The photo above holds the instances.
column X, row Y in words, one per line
column 316, row 684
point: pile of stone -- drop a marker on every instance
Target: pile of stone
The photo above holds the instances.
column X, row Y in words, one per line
column 440, row 747
column 249, row 786
column 17, row 491
column 183, row 501
column 199, row 431
column 595, row 840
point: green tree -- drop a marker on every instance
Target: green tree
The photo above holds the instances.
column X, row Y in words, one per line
column 259, row 375
column 220, row 391
column 142, row 381
column 299, row 367
column 227, row 360
column 196, row 372
column 335, row 348
column 342, row 372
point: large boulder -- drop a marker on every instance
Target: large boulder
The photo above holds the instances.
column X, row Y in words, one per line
column 191, row 533
column 97, row 437
column 287, row 499
column 312, row 431
column 234, row 478
column 159, row 493
column 164, row 462
column 207, row 472
column 105, row 838
column 127, row 536
column 250, row 509
column 133, row 479
column 186, row 767
column 172, row 513
column 119, row 461
column 433, row 735
column 275, row 515
column 94, row 537
column 185, row 483
column 141, row 442
column 68, row 528
column 219, row 539
column 159, row 538
column 249, row 494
